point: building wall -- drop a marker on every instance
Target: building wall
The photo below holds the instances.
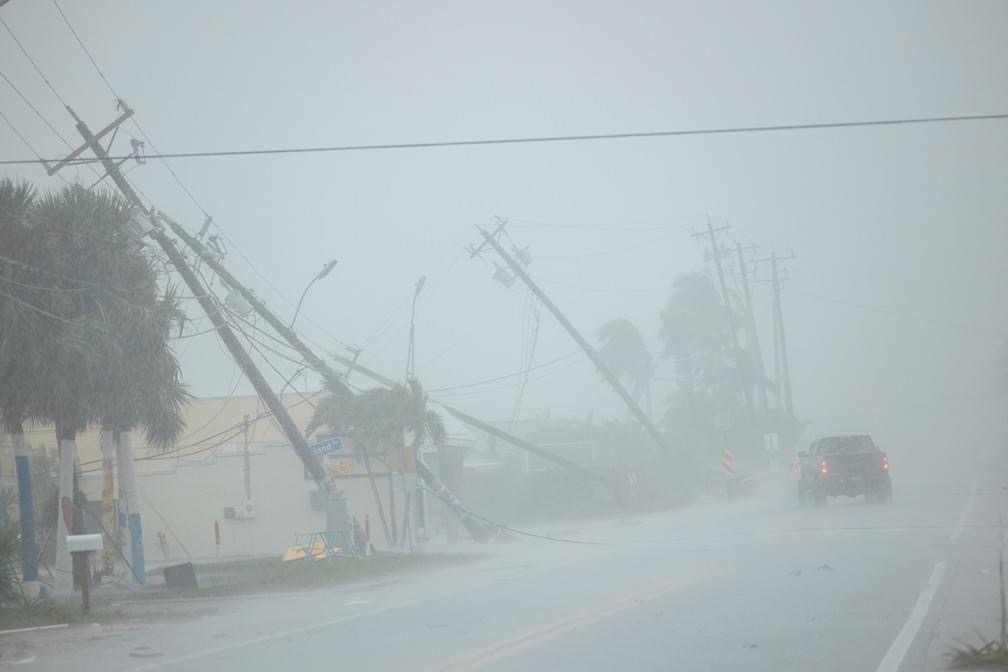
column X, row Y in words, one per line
column 183, row 500
column 185, row 488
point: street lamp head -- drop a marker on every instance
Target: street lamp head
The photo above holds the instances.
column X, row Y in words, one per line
column 326, row 269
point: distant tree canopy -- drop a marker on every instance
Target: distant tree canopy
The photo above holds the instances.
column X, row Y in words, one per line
column 84, row 320
column 626, row 354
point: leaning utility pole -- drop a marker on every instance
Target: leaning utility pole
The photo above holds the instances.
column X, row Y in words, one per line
column 475, row 423
column 634, row 407
column 716, row 253
column 753, row 332
column 332, row 378
column 223, row 329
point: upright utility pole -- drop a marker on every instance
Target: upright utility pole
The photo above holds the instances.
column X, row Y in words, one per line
column 716, row 253
column 782, row 369
column 634, row 407
column 754, row 341
column 227, row 336
column 246, row 462
column 782, row 336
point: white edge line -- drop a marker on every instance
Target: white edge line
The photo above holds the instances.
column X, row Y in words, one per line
column 38, row 627
column 901, row 645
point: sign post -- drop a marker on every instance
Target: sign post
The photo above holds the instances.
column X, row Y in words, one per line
column 80, row 547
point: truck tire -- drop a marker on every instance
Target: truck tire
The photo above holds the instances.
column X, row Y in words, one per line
column 885, row 493
column 803, row 497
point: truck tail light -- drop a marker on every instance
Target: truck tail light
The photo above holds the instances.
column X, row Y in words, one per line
column 885, row 462
column 823, row 467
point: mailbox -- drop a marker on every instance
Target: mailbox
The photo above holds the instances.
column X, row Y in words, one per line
column 77, row 543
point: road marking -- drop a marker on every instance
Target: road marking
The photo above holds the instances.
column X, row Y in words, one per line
column 483, row 657
column 901, row 645
column 37, row 627
column 964, row 516
column 282, row 634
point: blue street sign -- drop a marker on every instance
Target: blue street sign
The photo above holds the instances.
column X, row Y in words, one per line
column 330, row 445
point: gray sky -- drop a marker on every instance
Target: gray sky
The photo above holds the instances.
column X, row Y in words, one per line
column 895, row 302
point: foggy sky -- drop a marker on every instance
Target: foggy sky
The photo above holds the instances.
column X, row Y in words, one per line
column 895, row 302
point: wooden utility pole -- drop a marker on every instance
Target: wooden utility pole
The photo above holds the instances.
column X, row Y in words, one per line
column 716, row 254
column 634, row 407
column 475, row 423
column 782, row 369
column 753, row 332
column 782, row 336
column 332, row 378
column 246, row 461
column 530, row 447
column 227, row 336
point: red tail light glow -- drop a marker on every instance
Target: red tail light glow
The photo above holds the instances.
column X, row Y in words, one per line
column 885, row 463
column 823, row 467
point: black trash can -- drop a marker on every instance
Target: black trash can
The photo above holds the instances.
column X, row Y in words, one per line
column 180, row 576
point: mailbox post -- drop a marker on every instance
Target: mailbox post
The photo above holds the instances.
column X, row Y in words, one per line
column 80, row 545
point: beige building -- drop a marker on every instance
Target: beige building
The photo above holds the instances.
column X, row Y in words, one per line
column 258, row 503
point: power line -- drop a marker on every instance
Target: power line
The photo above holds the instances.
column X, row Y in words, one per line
column 26, row 143
column 168, row 166
column 36, row 309
column 548, row 138
column 236, row 429
column 34, row 64
column 88, row 53
column 29, row 103
column 505, row 377
column 35, row 109
column 108, row 84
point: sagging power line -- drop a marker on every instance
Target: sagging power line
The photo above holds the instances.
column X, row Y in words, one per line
column 591, row 137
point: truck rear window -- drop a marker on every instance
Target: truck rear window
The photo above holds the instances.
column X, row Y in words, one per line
column 846, row 444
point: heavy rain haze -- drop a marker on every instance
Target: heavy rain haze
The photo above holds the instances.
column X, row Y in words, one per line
column 892, row 294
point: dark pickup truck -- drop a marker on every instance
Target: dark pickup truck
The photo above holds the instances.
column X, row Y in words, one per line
column 843, row 465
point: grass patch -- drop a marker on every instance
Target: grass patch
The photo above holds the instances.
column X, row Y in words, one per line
column 66, row 611
column 17, row 616
column 989, row 655
column 270, row 575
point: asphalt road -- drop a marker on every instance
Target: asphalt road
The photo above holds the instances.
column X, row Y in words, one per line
column 754, row 584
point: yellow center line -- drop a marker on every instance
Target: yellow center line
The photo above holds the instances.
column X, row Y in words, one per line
column 479, row 659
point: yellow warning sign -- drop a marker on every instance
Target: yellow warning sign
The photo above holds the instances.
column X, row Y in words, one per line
column 341, row 469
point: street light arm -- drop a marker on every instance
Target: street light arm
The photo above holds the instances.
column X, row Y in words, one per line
column 301, row 300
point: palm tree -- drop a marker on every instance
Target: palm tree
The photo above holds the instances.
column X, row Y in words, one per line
column 393, row 420
column 694, row 329
column 625, row 354
column 22, row 328
column 112, row 364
